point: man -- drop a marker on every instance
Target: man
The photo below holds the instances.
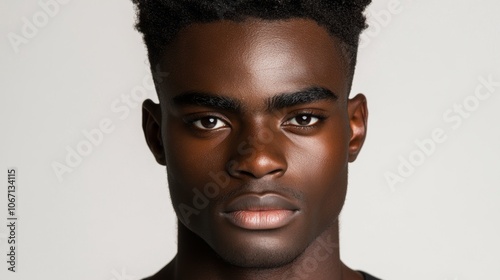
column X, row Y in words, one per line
column 256, row 130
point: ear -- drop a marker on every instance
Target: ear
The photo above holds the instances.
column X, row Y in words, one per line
column 151, row 124
column 358, row 120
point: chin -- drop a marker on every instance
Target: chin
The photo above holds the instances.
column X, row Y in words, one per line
column 259, row 250
column 261, row 258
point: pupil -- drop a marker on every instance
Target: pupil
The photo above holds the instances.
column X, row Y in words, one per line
column 208, row 122
column 304, row 120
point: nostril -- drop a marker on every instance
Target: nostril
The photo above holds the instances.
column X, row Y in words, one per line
column 235, row 169
column 245, row 173
column 232, row 167
column 277, row 171
column 255, row 170
column 268, row 161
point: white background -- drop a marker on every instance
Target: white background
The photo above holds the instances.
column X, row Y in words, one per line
column 110, row 218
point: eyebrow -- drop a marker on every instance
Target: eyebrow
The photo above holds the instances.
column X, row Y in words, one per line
column 277, row 102
column 304, row 96
column 207, row 100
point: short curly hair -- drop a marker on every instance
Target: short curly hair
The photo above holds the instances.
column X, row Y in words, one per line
column 160, row 20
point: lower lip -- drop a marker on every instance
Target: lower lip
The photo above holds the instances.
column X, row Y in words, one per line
column 260, row 220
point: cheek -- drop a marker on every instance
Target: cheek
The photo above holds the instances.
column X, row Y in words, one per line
column 321, row 164
column 324, row 154
column 188, row 157
column 190, row 161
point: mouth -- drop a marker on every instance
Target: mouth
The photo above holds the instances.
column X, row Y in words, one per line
column 260, row 212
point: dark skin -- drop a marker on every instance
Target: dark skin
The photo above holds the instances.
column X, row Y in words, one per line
column 263, row 105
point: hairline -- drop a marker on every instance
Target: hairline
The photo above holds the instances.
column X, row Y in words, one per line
column 348, row 52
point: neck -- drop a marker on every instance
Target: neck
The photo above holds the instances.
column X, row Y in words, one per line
column 196, row 260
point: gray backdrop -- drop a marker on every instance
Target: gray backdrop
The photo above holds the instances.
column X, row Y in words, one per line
column 424, row 195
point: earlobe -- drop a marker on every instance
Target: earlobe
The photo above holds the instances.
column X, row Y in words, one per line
column 358, row 121
column 151, row 125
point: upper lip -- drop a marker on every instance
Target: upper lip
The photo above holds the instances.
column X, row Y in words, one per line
column 260, row 202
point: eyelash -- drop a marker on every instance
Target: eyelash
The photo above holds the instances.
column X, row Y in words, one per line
column 191, row 120
column 312, row 114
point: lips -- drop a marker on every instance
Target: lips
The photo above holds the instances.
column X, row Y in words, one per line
column 260, row 212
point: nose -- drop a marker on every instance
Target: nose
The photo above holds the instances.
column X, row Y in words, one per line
column 257, row 155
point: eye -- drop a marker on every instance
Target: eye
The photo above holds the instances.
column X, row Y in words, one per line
column 209, row 123
column 303, row 120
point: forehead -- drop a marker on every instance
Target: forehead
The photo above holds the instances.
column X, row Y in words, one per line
column 255, row 56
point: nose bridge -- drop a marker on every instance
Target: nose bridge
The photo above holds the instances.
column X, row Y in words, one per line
column 258, row 152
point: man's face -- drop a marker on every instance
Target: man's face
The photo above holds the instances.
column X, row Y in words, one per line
column 256, row 131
